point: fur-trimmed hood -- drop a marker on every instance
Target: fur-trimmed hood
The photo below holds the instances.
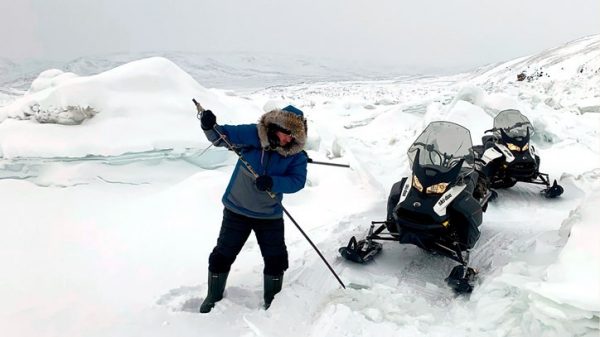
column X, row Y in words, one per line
column 288, row 118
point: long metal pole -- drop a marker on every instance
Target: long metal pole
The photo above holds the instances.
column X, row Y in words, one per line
column 272, row 195
column 310, row 161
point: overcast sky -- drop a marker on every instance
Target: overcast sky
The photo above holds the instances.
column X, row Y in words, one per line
column 442, row 33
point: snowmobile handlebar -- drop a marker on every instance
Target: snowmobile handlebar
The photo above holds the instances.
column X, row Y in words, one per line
column 431, row 149
column 506, row 129
column 445, row 160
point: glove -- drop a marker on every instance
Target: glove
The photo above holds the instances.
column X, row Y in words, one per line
column 264, row 183
column 207, row 120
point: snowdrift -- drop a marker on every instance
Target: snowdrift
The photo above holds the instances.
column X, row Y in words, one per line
column 141, row 106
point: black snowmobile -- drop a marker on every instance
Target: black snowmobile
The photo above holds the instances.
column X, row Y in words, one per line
column 509, row 157
column 439, row 208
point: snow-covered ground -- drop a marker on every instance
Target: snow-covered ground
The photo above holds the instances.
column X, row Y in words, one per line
column 109, row 218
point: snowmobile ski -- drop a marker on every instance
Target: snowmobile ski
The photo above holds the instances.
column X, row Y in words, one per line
column 461, row 279
column 553, row 191
column 360, row 251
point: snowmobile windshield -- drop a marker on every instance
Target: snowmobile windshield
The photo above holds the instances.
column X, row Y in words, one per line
column 442, row 144
column 513, row 122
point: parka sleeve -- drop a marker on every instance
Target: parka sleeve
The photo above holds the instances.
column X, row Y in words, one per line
column 245, row 135
column 294, row 178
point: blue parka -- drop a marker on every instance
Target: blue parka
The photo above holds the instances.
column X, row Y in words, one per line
column 287, row 166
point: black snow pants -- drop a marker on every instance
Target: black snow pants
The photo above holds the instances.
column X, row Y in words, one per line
column 236, row 229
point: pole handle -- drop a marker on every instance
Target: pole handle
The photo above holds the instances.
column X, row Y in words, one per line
column 199, row 108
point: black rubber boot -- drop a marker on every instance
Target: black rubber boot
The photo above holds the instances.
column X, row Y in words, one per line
column 272, row 286
column 216, row 286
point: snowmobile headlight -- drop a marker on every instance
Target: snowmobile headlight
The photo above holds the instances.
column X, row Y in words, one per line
column 513, row 147
column 437, row 188
column 417, row 184
column 525, row 147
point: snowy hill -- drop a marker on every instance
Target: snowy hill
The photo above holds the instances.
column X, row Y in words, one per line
column 567, row 76
column 107, row 224
column 220, row 70
column 131, row 105
column 19, row 75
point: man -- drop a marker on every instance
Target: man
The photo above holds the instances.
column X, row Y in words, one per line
column 274, row 150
